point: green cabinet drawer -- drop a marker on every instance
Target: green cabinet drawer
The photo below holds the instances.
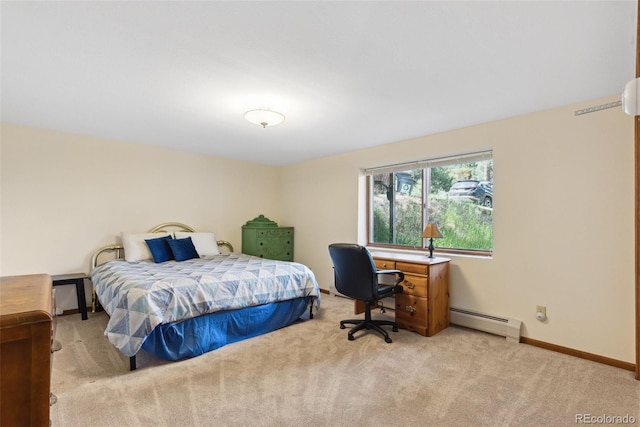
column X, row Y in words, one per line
column 281, row 232
column 275, row 248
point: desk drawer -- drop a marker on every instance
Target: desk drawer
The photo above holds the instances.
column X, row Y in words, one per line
column 411, row 309
column 408, row 267
column 384, row 264
column 414, row 285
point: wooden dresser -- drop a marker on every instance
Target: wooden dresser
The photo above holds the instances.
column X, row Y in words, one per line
column 262, row 237
column 423, row 307
column 27, row 329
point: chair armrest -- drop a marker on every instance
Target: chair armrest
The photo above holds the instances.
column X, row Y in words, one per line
column 398, row 272
column 389, row 272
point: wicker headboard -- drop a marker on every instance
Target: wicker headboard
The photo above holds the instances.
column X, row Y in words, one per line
column 165, row 226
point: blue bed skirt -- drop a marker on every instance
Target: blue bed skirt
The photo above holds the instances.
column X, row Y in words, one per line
column 202, row 334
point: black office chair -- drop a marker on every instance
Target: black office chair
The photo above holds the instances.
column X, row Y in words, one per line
column 356, row 276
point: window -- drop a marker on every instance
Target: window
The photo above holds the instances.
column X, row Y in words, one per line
column 456, row 193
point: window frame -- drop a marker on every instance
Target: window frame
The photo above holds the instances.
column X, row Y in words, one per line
column 424, row 165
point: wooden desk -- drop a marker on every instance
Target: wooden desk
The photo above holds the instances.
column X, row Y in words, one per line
column 423, row 307
column 26, row 337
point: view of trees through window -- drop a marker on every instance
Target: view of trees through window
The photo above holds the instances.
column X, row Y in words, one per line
column 456, row 197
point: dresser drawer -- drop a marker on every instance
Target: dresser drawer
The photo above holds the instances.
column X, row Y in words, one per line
column 385, row 264
column 408, row 267
column 414, row 285
column 275, row 242
column 275, row 248
column 411, row 313
column 275, row 232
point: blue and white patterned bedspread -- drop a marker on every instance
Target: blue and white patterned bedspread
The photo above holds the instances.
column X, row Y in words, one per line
column 142, row 295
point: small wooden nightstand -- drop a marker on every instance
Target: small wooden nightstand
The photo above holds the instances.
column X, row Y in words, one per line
column 78, row 280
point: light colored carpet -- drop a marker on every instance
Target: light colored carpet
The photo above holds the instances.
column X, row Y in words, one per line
column 310, row 374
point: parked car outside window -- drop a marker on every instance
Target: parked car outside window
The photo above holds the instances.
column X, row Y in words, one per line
column 480, row 192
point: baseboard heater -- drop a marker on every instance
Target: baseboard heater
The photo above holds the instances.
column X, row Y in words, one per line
column 508, row 328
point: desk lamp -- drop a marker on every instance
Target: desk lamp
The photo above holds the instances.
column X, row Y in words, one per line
column 431, row 231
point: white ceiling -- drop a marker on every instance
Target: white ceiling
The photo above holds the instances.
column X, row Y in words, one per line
column 346, row 75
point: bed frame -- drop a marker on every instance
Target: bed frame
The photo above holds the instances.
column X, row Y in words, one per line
column 119, row 249
column 119, row 253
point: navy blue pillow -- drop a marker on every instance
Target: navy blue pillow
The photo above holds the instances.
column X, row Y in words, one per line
column 183, row 249
column 159, row 248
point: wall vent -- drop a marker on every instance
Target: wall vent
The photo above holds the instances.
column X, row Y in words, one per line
column 508, row 328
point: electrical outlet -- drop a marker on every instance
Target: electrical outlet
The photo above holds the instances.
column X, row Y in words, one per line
column 541, row 309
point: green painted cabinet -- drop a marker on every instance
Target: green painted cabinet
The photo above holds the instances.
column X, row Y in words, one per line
column 262, row 237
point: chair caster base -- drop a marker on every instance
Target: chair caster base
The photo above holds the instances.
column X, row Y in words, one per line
column 368, row 324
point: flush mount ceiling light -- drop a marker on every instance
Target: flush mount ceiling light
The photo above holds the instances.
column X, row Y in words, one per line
column 264, row 117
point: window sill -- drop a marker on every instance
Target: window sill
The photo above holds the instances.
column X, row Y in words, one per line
column 417, row 252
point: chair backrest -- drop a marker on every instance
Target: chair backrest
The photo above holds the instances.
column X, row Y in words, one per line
column 355, row 271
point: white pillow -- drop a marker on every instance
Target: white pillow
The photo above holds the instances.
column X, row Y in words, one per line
column 135, row 247
column 205, row 243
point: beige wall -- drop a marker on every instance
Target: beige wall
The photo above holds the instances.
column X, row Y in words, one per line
column 563, row 221
column 63, row 196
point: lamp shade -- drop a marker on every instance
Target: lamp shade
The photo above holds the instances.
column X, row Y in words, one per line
column 631, row 98
column 431, row 231
column 264, row 117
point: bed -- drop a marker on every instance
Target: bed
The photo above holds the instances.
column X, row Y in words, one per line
column 183, row 307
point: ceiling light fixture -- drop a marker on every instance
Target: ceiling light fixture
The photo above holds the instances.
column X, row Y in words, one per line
column 264, row 117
